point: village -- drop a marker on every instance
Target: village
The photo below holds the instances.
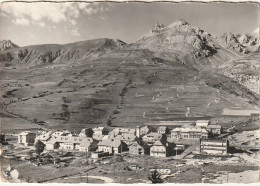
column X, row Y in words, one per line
column 160, row 142
column 137, row 151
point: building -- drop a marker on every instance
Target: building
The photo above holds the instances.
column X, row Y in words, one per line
column 26, row 138
column 159, row 149
column 43, row 137
column 88, row 145
column 143, row 130
column 70, row 143
column 123, row 131
column 98, row 154
column 57, row 133
column 214, row 146
column 98, row 137
column 127, row 138
column 139, row 149
column 153, row 137
column 189, row 133
column 100, row 131
column 214, row 129
column 202, row 123
column 87, row 132
column 111, row 146
column 163, row 130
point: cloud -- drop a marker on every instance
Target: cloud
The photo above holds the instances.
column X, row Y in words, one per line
column 21, row 21
column 54, row 12
column 73, row 22
column 36, row 11
column 75, row 32
column 41, row 24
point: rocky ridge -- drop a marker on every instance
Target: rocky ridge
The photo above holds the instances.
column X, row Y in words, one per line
column 241, row 43
column 7, row 44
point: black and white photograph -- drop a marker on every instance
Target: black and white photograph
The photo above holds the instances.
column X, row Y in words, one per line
column 129, row 92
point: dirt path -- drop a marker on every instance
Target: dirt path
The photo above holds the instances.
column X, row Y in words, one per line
column 105, row 179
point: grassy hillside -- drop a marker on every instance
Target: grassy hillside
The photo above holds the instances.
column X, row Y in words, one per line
column 120, row 87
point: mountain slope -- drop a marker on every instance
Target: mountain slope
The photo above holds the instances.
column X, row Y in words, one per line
column 106, row 82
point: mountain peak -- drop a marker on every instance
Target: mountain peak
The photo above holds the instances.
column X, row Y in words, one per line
column 7, row 44
column 182, row 22
column 158, row 26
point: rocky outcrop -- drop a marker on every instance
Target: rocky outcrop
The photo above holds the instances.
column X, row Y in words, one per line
column 240, row 43
column 7, row 44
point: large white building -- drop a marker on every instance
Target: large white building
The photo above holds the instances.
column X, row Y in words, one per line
column 189, row 133
column 26, row 138
column 211, row 146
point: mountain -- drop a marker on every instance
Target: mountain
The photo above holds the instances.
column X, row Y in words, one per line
column 176, row 37
column 240, row 43
column 175, row 72
column 45, row 54
column 192, row 45
column 7, row 44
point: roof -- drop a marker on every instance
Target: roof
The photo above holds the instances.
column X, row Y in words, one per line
column 110, row 143
column 83, row 130
column 135, row 144
column 71, row 139
column 97, row 137
column 189, row 129
column 158, row 143
column 105, row 137
column 162, row 128
column 99, row 128
column 123, row 130
column 202, row 121
column 154, row 134
column 24, row 133
column 86, row 142
column 128, row 137
column 44, row 137
column 214, row 126
column 178, row 129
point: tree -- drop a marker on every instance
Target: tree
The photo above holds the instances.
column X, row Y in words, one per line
column 155, row 177
column 39, row 147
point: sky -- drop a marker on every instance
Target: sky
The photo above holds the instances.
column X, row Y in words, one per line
column 45, row 22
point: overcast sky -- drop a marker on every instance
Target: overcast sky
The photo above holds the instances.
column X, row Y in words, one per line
column 41, row 23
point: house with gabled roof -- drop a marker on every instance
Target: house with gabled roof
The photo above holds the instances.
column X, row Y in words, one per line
column 139, row 148
column 88, row 145
column 160, row 149
column 153, row 137
column 128, row 138
column 112, row 146
column 26, row 138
